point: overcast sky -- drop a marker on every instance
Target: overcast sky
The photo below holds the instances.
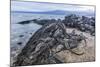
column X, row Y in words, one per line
column 38, row 6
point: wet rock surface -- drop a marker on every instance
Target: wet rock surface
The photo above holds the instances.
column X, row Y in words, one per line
column 45, row 45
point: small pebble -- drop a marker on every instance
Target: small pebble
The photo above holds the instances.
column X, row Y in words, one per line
column 19, row 43
column 21, row 35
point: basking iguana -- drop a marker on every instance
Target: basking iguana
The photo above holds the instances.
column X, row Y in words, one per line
column 39, row 48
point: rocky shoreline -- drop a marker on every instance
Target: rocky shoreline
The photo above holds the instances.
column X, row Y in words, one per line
column 67, row 37
column 83, row 23
column 43, row 46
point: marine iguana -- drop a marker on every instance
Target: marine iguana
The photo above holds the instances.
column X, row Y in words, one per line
column 39, row 48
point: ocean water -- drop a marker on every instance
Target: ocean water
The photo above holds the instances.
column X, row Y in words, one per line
column 17, row 17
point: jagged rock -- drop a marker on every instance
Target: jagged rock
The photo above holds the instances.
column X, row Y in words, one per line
column 71, row 20
column 82, row 23
column 39, row 48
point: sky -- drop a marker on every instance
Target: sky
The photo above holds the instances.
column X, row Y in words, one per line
column 89, row 2
column 41, row 6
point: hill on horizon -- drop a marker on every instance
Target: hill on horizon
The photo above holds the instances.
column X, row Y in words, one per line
column 59, row 12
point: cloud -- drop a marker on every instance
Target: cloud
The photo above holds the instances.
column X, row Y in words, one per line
column 39, row 6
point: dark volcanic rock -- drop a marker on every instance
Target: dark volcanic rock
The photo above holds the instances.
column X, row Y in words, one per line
column 24, row 22
column 21, row 35
column 82, row 23
column 40, row 47
column 19, row 43
column 44, row 21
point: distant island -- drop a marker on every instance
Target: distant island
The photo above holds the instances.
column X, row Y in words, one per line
column 59, row 12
